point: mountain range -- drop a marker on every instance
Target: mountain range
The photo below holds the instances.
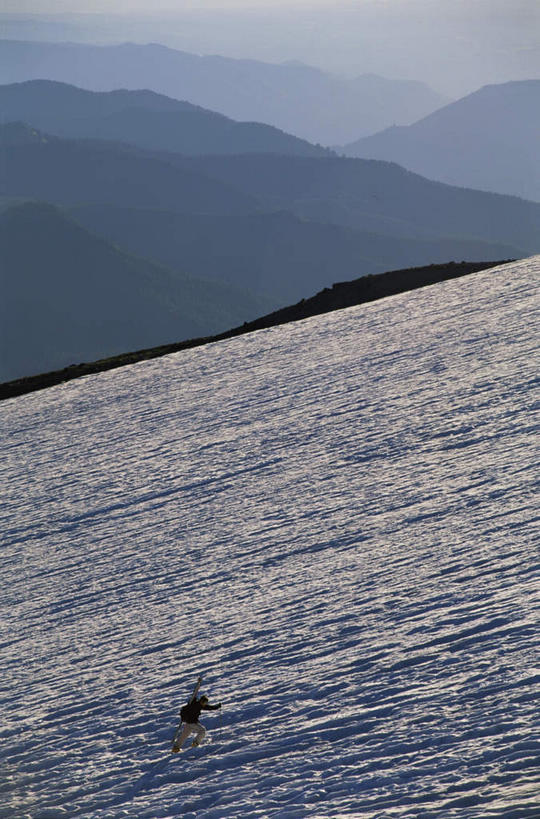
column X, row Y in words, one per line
column 152, row 120
column 305, row 101
column 372, row 196
column 253, row 231
column 488, row 140
column 70, row 296
column 73, row 171
column 376, row 196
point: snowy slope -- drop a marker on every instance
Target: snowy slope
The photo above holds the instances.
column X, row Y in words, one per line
column 334, row 521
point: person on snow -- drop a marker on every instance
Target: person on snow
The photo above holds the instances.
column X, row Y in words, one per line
column 189, row 715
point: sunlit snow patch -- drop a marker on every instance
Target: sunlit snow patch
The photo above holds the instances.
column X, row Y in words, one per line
column 334, row 521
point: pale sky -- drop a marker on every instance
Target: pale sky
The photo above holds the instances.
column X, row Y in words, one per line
column 454, row 45
column 142, row 6
column 155, row 8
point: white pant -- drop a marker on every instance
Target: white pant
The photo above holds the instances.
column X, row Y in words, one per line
column 187, row 728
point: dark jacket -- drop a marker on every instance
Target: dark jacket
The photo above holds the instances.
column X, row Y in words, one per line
column 192, row 711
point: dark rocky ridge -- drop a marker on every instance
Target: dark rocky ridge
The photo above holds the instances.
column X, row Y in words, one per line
column 340, row 295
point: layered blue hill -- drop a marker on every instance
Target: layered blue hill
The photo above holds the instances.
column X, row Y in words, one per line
column 301, row 100
column 487, row 140
column 144, row 117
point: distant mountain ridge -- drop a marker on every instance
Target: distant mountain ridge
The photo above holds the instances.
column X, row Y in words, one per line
column 375, row 196
column 146, row 118
column 273, row 254
column 371, row 196
column 68, row 172
column 70, row 296
column 223, row 221
column 489, row 140
column 261, row 229
column 297, row 98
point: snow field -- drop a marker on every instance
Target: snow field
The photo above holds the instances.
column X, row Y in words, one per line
column 334, row 521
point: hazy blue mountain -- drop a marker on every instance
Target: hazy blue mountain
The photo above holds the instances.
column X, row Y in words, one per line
column 488, row 140
column 275, row 254
column 375, row 196
column 260, row 224
column 69, row 296
column 302, row 100
column 141, row 117
column 74, row 171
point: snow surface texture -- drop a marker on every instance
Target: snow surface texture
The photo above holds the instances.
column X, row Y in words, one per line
column 333, row 521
